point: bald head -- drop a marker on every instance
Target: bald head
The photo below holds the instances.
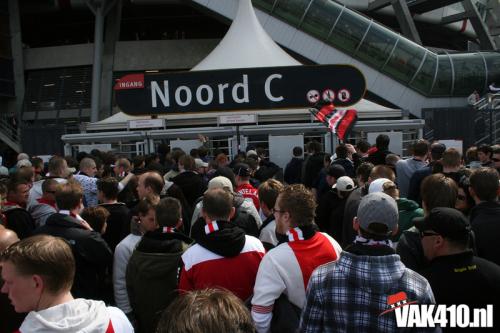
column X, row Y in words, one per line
column 7, row 238
column 150, row 183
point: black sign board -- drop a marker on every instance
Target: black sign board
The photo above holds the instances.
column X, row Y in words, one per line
column 239, row 89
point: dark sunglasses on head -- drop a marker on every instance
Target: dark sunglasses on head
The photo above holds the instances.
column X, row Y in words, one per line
column 427, row 233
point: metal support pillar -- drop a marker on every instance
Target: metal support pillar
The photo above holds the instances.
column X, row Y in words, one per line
column 17, row 56
column 112, row 34
column 100, row 8
column 405, row 20
column 482, row 32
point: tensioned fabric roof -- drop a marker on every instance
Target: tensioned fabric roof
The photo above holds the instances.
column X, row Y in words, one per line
column 246, row 45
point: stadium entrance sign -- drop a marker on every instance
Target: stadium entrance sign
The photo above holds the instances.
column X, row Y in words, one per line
column 238, row 89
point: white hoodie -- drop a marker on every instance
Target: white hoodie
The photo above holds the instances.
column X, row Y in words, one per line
column 80, row 315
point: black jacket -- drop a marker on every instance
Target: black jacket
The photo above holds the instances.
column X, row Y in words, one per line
column 485, row 221
column 465, row 279
column 268, row 170
column 19, row 220
column 410, row 250
column 313, row 166
column 92, row 255
column 153, row 275
column 347, row 165
column 242, row 218
column 378, row 157
column 351, row 211
column 293, row 170
column 191, row 184
column 118, row 224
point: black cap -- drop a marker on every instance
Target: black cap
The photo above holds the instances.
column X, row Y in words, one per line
column 242, row 170
column 448, row 222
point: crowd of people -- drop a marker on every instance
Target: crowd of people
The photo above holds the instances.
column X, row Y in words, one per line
column 186, row 242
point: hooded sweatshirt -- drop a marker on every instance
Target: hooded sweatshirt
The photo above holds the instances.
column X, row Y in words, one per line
column 79, row 315
column 408, row 210
column 223, row 257
column 153, row 275
column 42, row 210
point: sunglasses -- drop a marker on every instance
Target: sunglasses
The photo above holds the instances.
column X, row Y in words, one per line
column 495, row 159
column 461, row 197
column 427, row 233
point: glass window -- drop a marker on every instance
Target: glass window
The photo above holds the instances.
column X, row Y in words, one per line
column 424, row 78
column 493, row 65
column 442, row 86
column 404, row 61
column 320, row 18
column 58, row 89
column 291, row 10
column 349, row 31
column 4, row 26
column 5, row 51
column 266, row 5
column 377, row 46
column 469, row 73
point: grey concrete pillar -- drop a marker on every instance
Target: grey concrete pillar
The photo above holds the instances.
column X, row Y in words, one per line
column 97, row 64
column 100, row 8
column 112, row 35
column 17, row 56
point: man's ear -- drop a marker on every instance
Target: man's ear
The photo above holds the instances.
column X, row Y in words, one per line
column 439, row 242
column 38, row 283
column 355, row 224
column 231, row 215
column 395, row 231
column 179, row 224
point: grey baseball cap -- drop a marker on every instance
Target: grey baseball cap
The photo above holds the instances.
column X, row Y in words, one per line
column 380, row 208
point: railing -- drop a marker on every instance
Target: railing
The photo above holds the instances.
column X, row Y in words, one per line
column 9, row 133
column 488, row 112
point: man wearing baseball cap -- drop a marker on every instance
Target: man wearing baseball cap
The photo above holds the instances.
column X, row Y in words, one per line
column 246, row 216
column 455, row 274
column 366, row 275
column 332, row 222
column 242, row 174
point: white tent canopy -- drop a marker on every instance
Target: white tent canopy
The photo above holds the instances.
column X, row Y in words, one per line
column 246, row 45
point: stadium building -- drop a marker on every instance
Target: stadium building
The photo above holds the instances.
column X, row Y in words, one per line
column 421, row 59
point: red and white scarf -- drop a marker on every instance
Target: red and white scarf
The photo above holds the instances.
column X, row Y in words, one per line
column 211, row 227
column 295, row 234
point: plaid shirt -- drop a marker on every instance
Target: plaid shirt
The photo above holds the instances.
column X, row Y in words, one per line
column 349, row 295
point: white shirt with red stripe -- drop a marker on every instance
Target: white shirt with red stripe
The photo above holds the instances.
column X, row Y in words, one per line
column 204, row 268
column 287, row 269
